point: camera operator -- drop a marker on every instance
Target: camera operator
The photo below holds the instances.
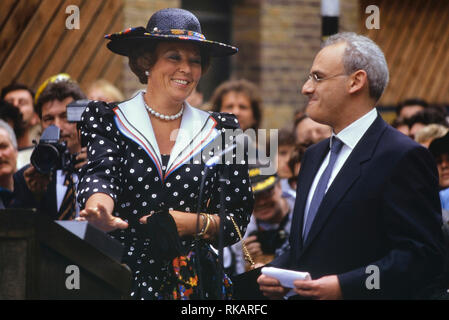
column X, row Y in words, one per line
column 54, row 193
column 268, row 230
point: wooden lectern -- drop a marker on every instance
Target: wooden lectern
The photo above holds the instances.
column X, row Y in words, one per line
column 40, row 259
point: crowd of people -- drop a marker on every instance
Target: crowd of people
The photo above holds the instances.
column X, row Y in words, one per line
column 349, row 190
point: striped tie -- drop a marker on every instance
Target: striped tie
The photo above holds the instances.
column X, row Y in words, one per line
column 68, row 206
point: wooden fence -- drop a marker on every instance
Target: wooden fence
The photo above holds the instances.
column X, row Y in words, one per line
column 414, row 35
column 35, row 42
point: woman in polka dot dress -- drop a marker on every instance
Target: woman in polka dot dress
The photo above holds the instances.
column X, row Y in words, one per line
column 147, row 155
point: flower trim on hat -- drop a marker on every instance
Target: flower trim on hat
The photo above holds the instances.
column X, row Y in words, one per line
column 178, row 33
column 137, row 31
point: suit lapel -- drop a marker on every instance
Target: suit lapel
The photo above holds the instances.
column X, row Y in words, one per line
column 347, row 176
column 305, row 180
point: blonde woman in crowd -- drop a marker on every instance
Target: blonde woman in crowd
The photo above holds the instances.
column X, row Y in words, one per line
column 426, row 135
column 103, row 90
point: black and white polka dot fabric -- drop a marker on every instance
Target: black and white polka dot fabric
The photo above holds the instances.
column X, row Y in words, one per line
column 125, row 163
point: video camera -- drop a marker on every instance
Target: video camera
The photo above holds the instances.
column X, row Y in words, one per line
column 50, row 153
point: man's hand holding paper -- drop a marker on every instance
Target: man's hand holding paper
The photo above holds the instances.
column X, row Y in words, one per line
column 271, row 287
column 324, row 288
column 276, row 283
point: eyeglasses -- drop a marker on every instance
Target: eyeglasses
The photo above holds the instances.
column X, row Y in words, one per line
column 317, row 79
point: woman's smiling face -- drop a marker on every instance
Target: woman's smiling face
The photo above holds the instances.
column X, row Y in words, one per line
column 177, row 70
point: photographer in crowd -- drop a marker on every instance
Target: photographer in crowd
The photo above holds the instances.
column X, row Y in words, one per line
column 54, row 193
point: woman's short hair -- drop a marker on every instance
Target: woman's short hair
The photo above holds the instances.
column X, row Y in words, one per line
column 361, row 53
column 143, row 58
column 241, row 86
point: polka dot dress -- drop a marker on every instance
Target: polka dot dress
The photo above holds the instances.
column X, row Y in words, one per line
column 119, row 167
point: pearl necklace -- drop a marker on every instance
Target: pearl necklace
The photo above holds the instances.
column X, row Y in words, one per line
column 163, row 116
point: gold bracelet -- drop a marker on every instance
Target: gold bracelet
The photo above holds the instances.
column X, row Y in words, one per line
column 204, row 219
column 212, row 217
column 204, row 230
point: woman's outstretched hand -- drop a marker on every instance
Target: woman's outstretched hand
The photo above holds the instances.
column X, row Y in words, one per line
column 98, row 212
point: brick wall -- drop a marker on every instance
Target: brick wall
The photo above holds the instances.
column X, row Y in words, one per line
column 278, row 40
column 349, row 15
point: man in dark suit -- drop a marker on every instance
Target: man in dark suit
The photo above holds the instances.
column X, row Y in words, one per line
column 53, row 194
column 367, row 221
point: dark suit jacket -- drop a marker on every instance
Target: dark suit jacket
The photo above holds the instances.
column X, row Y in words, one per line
column 24, row 198
column 382, row 209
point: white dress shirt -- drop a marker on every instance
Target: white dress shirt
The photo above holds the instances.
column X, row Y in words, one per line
column 350, row 136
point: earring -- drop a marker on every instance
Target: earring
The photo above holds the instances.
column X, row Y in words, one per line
column 147, row 73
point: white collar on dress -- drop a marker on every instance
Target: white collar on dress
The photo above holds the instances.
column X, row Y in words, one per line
column 197, row 129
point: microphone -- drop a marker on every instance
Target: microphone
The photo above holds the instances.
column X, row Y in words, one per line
column 209, row 165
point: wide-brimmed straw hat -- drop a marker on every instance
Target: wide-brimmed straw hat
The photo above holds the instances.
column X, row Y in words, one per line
column 167, row 24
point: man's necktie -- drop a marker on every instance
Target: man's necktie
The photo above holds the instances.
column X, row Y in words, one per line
column 68, row 206
column 320, row 190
